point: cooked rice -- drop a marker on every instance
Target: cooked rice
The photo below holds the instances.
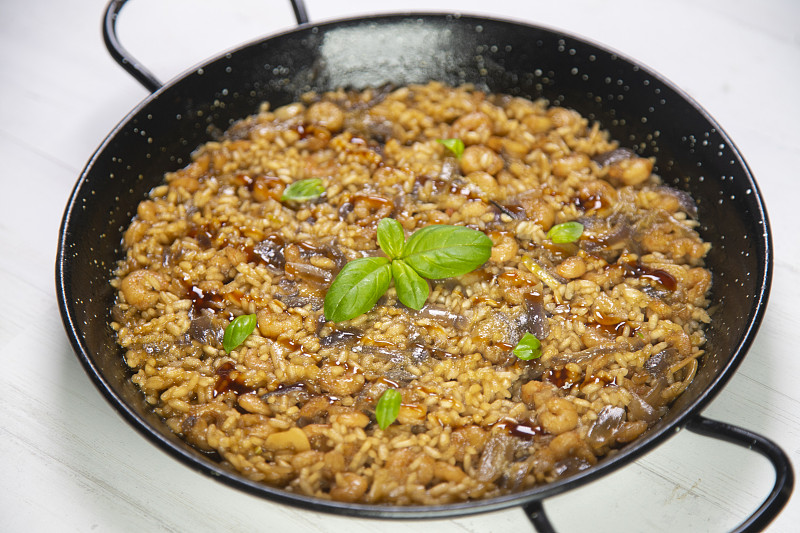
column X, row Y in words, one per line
column 619, row 313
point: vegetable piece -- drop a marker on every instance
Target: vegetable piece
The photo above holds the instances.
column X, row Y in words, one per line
column 528, row 347
column 237, row 331
column 454, row 145
column 357, row 288
column 566, row 232
column 540, row 272
column 387, row 408
column 440, row 251
column 412, row 290
column 303, row 190
column 391, row 237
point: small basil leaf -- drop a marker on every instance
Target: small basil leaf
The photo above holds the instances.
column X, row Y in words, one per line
column 412, row 290
column 440, row 251
column 391, row 237
column 237, row 331
column 388, row 407
column 528, row 347
column 303, row 190
column 454, row 145
column 357, row 287
column 566, row 232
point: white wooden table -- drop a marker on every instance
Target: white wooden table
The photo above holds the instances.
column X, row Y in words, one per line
column 68, row 462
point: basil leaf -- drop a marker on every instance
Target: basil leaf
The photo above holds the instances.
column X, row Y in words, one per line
column 433, row 252
column 387, row 408
column 391, row 237
column 439, row 251
column 566, row 232
column 528, row 347
column 412, row 290
column 304, row 190
column 237, row 331
column 454, row 145
column 357, row 288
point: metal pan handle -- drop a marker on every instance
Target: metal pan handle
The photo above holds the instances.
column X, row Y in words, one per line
column 130, row 64
column 761, row 517
column 784, row 475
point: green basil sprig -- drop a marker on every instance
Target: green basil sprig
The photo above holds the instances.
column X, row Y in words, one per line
column 456, row 146
column 357, row 288
column 433, row 252
column 412, row 289
column 387, row 408
column 237, row 331
column 438, row 252
column 566, row 232
column 303, row 190
column 528, row 347
column 391, row 237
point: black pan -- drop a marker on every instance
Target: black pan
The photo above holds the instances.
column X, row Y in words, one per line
column 644, row 111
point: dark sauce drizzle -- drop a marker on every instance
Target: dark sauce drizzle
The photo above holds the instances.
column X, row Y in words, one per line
column 662, row 277
column 230, row 379
column 560, row 377
column 522, row 430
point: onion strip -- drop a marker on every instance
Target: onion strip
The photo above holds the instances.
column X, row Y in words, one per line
column 546, row 277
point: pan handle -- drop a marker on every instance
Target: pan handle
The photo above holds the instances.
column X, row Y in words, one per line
column 761, row 517
column 131, row 65
column 784, row 475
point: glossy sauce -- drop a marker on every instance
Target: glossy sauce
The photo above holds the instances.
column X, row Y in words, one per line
column 561, row 250
column 518, row 429
column 634, row 269
column 205, row 300
column 388, row 382
column 268, row 187
column 211, row 300
column 230, row 379
column 270, row 252
column 560, row 377
column 381, row 343
column 485, row 300
column 290, row 345
column 245, row 180
column 373, row 201
column 598, row 379
column 513, row 278
column 441, row 187
column 203, row 234
column 592, row 202
column 340, row 336
column 284, row 388
column 615, row 330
